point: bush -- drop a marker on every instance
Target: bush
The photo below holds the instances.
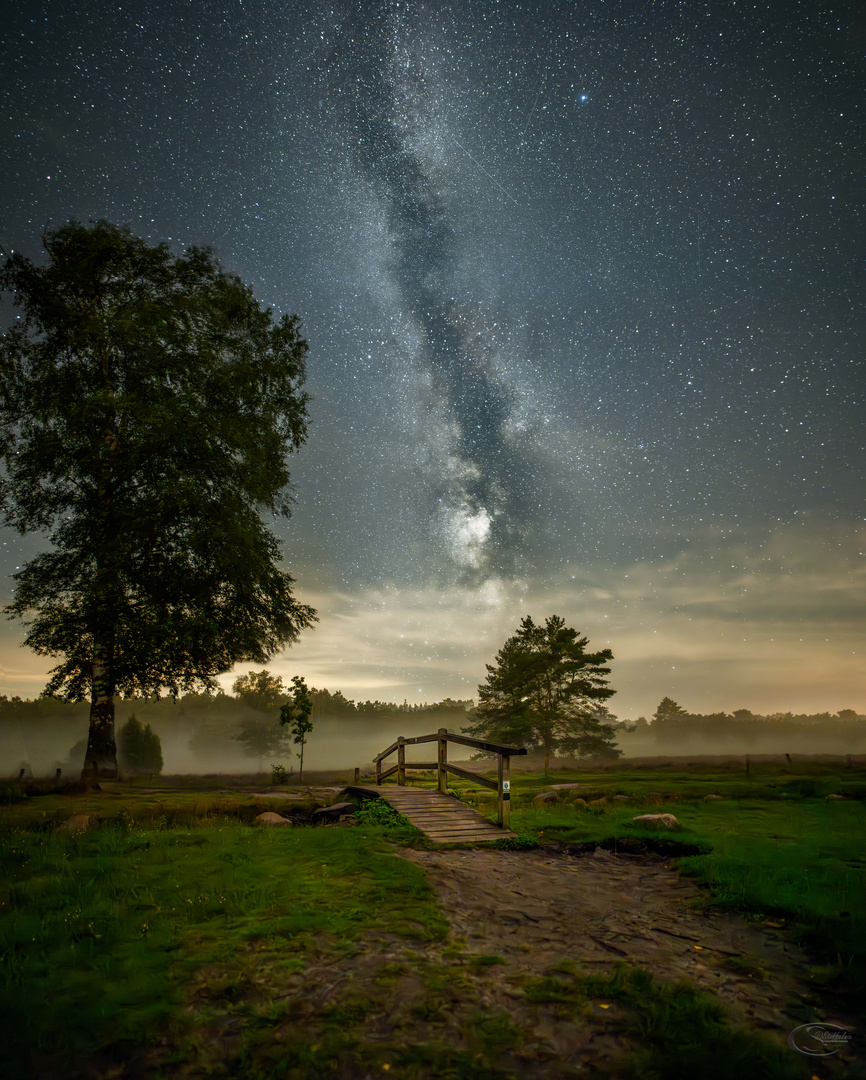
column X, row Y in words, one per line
column 139, row 748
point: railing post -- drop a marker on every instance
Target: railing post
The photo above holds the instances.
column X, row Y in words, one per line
column 378, row 772
column 504, row 808
column 442, row 771
column 401, row 762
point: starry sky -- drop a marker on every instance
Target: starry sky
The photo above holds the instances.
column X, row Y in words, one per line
column 583, row 287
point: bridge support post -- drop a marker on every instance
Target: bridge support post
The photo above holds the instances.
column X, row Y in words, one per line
column 442, row 767
column 504, row 807
column 401, row 761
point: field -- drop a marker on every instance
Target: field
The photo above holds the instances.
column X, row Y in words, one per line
column 173, row 938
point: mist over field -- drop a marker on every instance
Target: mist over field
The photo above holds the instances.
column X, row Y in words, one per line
column 200, row 736
column 200, row 740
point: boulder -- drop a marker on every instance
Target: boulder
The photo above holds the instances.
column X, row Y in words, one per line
column 599, row 802
column 667, row 821
column 579, row 803
column 332, row 813
column 835, row 798
column 546, row 797
column 620, row 798
column 564, row 787
column 712, row 798
column 270, row 818
column 77, row 823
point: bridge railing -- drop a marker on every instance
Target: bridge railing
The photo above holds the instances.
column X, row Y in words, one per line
column 502, row 784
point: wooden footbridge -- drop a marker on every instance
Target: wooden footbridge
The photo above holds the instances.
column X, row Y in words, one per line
column 441, row 816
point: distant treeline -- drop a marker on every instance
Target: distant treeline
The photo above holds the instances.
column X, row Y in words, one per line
column 742, row 721
column 674, row 729
column 189, row 706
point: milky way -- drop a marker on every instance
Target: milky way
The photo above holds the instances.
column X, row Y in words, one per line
column 583, row 289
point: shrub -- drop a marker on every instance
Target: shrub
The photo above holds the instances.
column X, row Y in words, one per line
column 139, row 748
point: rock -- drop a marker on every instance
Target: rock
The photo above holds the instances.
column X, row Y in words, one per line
column 655, row 797
column 668, row 821
column 580, row 803
column 564, row 787
column 347, row 821
column 835, row 798
column 77, row 823
column 598, row 802
column 712, row 798
column 620, row 798
column 333, row 813
column 270, row 818
column 546, row 797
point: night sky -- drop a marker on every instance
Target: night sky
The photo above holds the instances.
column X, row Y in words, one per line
column 583, row 286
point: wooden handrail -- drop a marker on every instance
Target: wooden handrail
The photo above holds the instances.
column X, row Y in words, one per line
column 502, row 785
column 464, row 740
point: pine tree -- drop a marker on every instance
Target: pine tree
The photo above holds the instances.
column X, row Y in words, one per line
column 139, row 747
column 543, row 691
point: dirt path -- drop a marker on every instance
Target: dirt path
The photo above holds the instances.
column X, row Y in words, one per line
column 407, row 1007
column 536, row 909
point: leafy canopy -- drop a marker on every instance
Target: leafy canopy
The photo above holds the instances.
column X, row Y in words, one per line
column 260, row 690
column 147, row 409
column 547, row 692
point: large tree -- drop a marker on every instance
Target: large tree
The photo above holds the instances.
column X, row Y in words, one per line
column 147, row 408
column 544, row 691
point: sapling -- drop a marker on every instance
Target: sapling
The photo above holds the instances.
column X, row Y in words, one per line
column 295, row 714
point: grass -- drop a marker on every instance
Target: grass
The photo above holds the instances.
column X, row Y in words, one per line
column 100, row 932
column 776, row 850
column 773, row 852
column 174, row 916
column 676, row 1033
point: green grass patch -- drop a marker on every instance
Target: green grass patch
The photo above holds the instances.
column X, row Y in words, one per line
column 798, row 863
column 677, row 1033
column 100, row 931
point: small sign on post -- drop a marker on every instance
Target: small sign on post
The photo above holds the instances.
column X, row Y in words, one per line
column 504, row 801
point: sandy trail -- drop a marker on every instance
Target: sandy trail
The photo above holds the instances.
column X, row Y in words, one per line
column 532, row 910
column 536, row 909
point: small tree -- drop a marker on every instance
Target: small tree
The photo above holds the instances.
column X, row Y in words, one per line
column 260, row 736
column 668, row 709
column 295, row 715
column 544, row 689
column 139, row 747
column 263, row 693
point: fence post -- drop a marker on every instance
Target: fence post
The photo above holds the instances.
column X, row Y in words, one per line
column 442, row 770
column 504, row 808
column 378, row 772
column 357, row 773
column 401, row 762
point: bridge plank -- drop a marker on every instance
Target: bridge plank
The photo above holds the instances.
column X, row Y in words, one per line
column 443, row 818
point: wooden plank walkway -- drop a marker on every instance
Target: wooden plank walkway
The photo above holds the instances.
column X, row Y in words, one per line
column 442, row 817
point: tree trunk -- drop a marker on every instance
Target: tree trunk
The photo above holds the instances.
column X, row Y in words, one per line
column 301, row 773
column 101, row 757
column 547, row 761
